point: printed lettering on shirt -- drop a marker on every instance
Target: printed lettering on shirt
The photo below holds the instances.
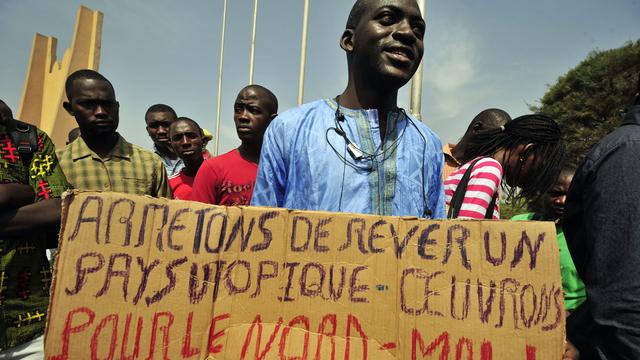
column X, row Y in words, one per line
column 236, row 192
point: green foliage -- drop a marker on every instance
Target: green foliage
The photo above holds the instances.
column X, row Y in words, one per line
column 510, row 209
column 590, row 100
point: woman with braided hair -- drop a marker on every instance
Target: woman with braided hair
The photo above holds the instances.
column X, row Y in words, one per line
column 527, row 153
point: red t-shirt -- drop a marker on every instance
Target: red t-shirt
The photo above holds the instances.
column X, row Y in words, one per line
column 227, row 179
column 181, row 186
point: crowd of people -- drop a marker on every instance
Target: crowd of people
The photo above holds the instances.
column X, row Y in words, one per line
column 354, row 152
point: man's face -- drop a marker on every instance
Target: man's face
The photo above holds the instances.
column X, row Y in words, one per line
column 554, row 199
column 94, row 106
column 158, row 124
column 186, row 140
column 251, row 115
column 388, row 40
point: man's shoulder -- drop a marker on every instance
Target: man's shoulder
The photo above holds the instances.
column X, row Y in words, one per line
column 481, row 166
column 143, row 154
column 424, row 129
column 41, row 133
column 226, row 159
column 64, row 153
column 487, row 162
column 298, row 114
column 65, row 149
column 24, row 129
column 525, row 216
column 180, row 177
column 626, row 136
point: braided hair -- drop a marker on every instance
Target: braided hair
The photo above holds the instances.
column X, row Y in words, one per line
column 544, row 135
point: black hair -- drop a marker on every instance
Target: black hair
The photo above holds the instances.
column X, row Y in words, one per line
column 186, row 119
column 356, row 13
column 358, row 9
column 6, row 111
column 491, row 117
column 161, row 108
column 486, row 119
column 271, row 99
column 546, row 138
column 82, row 74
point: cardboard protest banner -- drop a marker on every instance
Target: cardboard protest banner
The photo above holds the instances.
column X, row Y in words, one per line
column 144, row 278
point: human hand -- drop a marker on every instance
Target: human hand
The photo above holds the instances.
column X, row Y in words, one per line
column 570, row 352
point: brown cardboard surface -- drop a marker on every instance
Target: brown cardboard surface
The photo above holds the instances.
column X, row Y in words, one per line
column 143, row 278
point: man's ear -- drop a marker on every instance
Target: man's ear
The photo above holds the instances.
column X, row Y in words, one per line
column 528, row 147
column 477, row 127
column 67, row 106
column 346, row 40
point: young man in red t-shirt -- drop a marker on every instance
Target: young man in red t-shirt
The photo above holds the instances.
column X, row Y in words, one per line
column 229, row 178
column 185, row 138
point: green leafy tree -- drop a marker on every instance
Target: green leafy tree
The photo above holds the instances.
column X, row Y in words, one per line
column 590, row 100
column 511, row 209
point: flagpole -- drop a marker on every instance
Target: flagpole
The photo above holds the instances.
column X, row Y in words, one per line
column 253, row 40
column 415, row 96
column 224, row 23
column 303, row 51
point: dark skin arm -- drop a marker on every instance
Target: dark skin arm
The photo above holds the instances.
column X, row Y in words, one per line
column 14, row 196
column 31, row 219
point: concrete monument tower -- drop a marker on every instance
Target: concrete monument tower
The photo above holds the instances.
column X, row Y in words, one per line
column 43, row 93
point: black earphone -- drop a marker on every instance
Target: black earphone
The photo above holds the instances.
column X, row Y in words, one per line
column 359, row 155
column 352, row 148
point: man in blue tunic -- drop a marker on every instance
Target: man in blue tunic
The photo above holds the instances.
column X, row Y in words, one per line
column 359, row 152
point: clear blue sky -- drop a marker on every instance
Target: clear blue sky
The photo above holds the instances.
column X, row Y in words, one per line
column 478, row 54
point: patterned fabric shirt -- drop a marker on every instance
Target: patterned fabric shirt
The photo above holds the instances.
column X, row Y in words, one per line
column 127, row 169
column 304, row 164
column 25, row 274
